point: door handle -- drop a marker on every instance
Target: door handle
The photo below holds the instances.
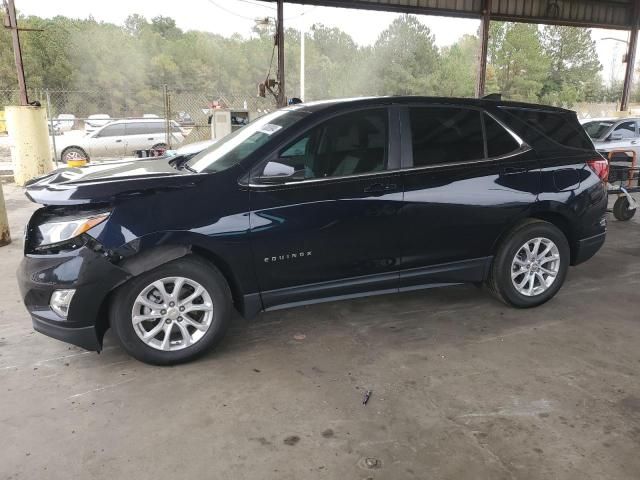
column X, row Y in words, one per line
column 150, row 138
column 380, row 188
column 119, row 140
column 513, row 170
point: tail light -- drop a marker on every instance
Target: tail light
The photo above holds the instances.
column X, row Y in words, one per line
column 601, row 167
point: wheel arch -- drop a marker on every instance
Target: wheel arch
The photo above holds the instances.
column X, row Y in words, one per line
column 557, row 218
column 154, row 257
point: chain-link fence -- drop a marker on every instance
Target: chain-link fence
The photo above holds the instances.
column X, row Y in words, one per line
column 71, row 110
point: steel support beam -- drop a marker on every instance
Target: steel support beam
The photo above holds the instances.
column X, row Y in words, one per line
column 485, row 21
column 631, row 58
column 611, row 14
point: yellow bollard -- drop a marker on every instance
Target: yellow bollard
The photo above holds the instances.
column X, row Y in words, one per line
column 80, row 162
column 5, row 236
column 29, row 136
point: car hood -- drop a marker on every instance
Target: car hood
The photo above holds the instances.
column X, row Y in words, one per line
column 107, row 182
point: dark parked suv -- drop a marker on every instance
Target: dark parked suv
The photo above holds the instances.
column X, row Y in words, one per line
column 310, row 203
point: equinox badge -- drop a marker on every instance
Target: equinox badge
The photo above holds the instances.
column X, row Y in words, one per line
column 288, row 256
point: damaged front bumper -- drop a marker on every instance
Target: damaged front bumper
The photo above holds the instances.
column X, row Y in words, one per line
column 90, row 273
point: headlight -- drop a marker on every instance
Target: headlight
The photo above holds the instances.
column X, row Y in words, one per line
column 63, row 230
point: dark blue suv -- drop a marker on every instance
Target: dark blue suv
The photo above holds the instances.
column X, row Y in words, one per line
column 310, row 203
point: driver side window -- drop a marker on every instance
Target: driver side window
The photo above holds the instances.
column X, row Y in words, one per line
column 350, row 144
column 116, row 130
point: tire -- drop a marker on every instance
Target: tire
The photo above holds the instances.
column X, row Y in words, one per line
column 511, row 258
column 212, row 324
column 73, row 153
column 621, row 209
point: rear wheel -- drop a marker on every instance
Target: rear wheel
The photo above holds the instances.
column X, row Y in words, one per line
column 621, row 209
column 531, row 265
column 74, row 153
column 172, row 314
column 159, row 149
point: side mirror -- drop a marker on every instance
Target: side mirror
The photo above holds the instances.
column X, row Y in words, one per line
column 296, row 176
column 615, row 136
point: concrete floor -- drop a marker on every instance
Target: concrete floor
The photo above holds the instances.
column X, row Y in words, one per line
column 463, row 388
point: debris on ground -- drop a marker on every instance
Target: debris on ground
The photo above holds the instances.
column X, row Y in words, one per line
column 367, row 396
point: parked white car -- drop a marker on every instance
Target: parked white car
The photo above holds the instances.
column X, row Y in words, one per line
column 610, row 134
column 64, row 122
column 93, row 122
column 120, row 138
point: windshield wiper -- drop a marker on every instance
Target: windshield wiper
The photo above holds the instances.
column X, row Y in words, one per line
column 186, row 166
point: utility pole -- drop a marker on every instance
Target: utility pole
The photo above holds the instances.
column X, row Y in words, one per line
column 485, row 22
column 11, row 22
column 282, row 98
column 631, row 57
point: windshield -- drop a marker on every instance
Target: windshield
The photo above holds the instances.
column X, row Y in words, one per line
column 237, row 146
column 597, row 129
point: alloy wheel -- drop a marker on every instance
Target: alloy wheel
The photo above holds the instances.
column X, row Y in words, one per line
column 535, row 267
column 172, row 313
column 73, row 155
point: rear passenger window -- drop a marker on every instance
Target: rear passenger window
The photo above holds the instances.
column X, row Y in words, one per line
column 135, row 129
column 499, row 141
column 154, row 127
column 445, row 135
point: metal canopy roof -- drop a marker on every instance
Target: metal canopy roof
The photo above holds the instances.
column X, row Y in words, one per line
column 614, row 14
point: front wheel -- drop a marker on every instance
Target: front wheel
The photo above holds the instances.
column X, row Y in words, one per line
column 173, row 313
column 531, row 265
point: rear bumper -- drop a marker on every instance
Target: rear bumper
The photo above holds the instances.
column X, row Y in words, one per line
column 587, row 248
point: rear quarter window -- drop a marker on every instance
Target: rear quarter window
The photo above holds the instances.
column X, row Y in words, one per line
column 499, row 141
column 542, row 126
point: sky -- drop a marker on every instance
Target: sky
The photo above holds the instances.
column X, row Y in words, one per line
column 227, row 17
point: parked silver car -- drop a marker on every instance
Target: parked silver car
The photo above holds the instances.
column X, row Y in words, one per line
column 614, row 134
column 118, row 139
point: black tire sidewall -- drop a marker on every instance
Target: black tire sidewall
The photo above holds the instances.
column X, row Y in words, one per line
column 189, row 267
column 621, row 209
column 507, row 253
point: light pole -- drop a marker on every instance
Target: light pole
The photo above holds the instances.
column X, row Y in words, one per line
column 302, row 54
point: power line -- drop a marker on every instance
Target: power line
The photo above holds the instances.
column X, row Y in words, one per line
column 302, row 14
column 249, row 2
column 230, row 12
column 255, row 4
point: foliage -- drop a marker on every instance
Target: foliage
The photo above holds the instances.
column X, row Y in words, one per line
column 405, row 58
column 131, row 62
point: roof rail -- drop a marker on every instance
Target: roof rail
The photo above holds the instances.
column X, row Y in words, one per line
column 493, row 96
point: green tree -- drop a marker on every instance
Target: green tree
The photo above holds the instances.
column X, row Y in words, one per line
column 405, row 58
column 458, row 69
column 518, row 61
column 573, row 62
